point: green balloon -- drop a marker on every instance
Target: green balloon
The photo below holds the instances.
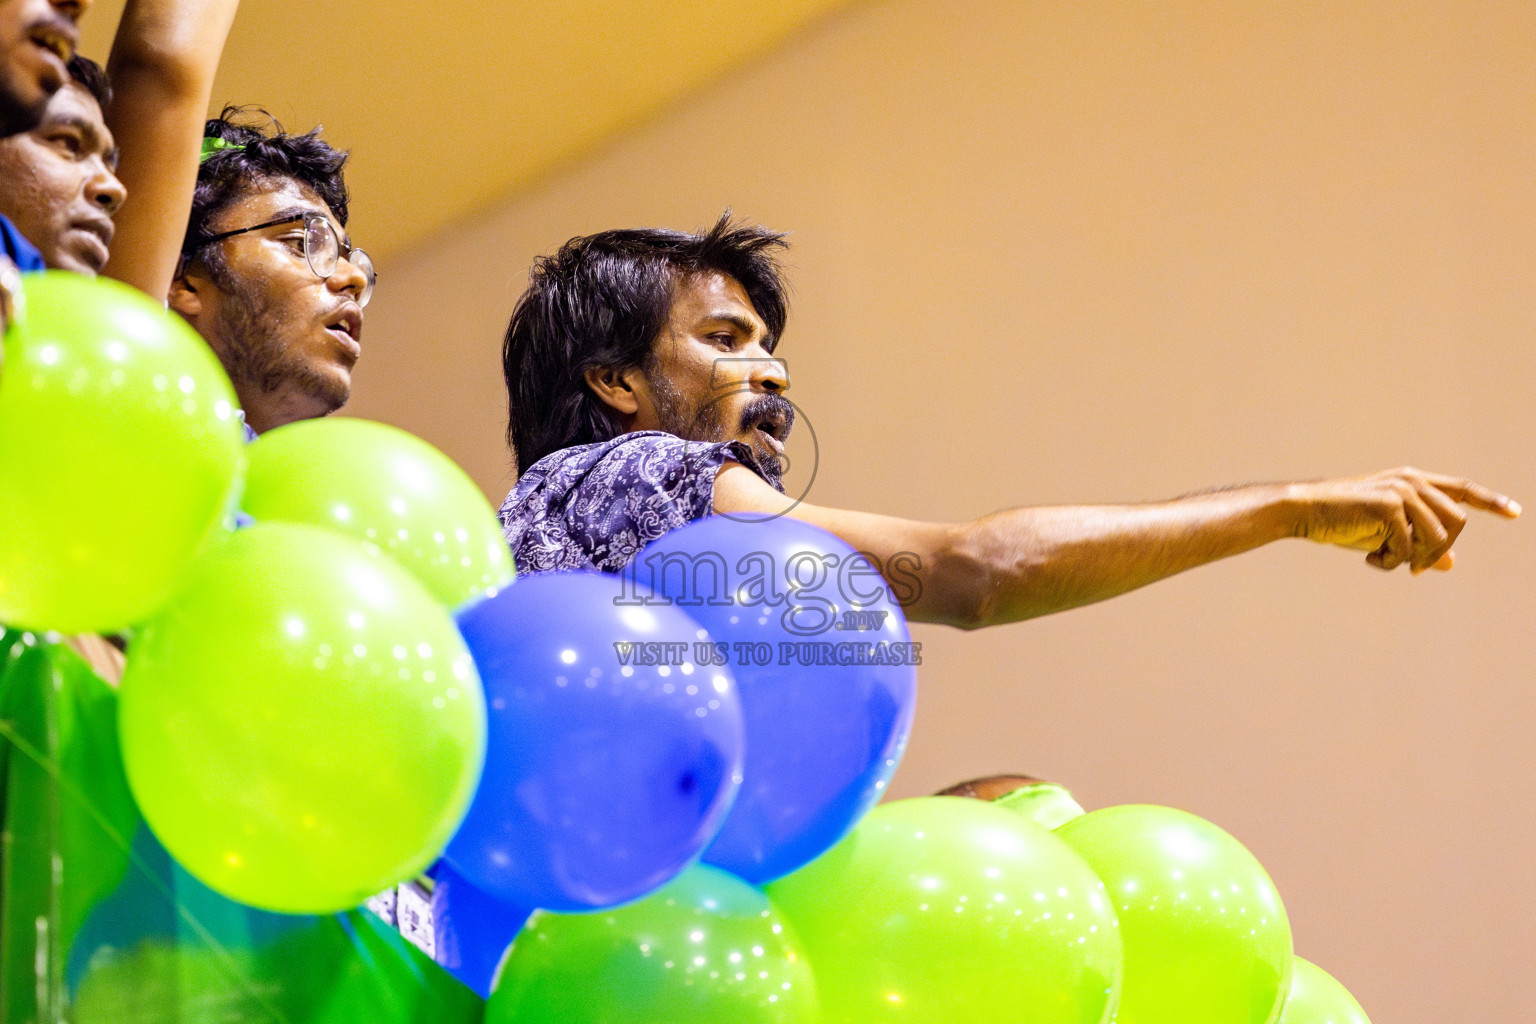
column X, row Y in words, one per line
column 120, row 454
column 1206, row 936
column 383, row 486
column 706, row 948
column 950, row 910
column 1316, row 998
column 302, row 726
column 1046, row 804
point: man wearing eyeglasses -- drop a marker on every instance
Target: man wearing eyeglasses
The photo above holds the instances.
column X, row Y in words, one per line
column 268, row 275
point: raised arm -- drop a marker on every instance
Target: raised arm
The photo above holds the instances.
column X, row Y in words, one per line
column 1032, row 561
column 162, row 67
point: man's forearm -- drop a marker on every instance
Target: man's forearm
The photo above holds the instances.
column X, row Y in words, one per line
column 174, row 44
column 1032, row 561
column 1042, row 560
column 162, row 67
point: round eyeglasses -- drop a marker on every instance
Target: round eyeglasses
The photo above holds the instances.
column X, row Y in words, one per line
column 322, row 249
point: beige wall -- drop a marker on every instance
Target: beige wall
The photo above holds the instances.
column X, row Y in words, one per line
column 1053, row 252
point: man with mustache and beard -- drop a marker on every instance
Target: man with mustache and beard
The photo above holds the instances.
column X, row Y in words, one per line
column 643, row 394
column 268, row 274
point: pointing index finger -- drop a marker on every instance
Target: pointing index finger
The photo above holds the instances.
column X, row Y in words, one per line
column 1475, row 494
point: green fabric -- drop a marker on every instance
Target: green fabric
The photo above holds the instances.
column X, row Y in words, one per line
column 98, row 924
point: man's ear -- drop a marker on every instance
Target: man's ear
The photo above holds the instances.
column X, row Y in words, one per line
column 615, row 387
column 183, row 297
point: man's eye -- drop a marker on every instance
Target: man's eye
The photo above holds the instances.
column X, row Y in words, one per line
column 295, row 243
column 68, row 142
column 727, row 340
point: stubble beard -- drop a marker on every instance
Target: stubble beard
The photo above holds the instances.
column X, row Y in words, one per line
column 15, row 117
column 256, row 356
column 678, row 417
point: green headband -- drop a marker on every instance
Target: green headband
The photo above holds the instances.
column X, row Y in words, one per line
column 213, row 146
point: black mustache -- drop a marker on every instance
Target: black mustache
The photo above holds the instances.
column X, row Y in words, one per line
column 769, row 407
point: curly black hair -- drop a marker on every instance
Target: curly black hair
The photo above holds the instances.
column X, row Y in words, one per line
column 261, row 153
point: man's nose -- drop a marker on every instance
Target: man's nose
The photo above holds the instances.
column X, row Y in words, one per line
column 104, row 190
column 347, row 278
column 760, row 372
column 74, row 10
column 771, row 374
column 768, row 372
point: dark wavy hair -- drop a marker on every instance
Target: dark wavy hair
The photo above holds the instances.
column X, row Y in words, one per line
column 601, row 301
column 91, row 77
column 267, row 154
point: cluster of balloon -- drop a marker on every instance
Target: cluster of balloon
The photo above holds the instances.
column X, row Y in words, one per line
column 1019, row 906
column 703, row 949
column 303, row 724
column 614, row 751
column 1313, row 997
column 625, row 719
column 324, row 742
column 120, row 455
column 821, row 654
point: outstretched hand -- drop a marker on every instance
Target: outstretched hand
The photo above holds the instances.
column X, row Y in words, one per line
column 1399, row 516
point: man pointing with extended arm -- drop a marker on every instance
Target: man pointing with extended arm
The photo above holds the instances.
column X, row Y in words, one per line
column 643, row 394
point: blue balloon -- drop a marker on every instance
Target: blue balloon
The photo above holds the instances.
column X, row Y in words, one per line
column 471, row 931
column 612, row 753
column 826, row 671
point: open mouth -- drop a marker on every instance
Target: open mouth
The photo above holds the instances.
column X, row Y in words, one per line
column 773, row 443
column 772, row 426
column 347, row 327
